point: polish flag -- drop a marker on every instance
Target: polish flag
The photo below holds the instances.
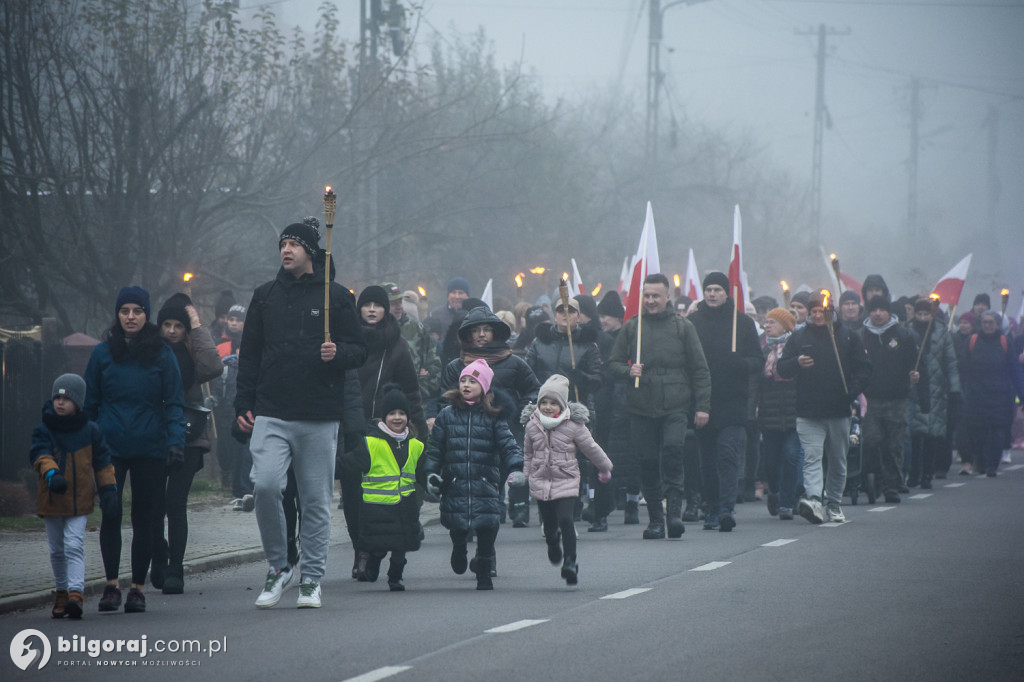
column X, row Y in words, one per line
column 952, row 283
column 848, row 281
column 645, row 262
column 624, row 276
column 577, row 281
column 737, row 278
column 691, row 287
column 488, row 296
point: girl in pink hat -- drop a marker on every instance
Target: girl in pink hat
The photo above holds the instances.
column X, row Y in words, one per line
column 470, row 444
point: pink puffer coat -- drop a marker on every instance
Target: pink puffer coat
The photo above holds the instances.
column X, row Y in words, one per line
column 549, row 456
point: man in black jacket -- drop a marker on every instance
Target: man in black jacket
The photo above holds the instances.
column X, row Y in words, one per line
column 828, row 379
column 723, row 440
column 290, row 395
column 893, row 353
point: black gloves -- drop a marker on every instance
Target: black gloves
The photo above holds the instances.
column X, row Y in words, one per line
column 56, row 482
column 175, row 457
column 108, row 500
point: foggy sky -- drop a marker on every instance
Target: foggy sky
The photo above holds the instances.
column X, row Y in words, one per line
column 739, row 65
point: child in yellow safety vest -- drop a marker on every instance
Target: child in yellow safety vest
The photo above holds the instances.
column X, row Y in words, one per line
column 389, row 518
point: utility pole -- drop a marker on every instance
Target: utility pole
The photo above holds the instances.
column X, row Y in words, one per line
column 915, row 145
column 821, row 119
column 656, row 17
column 994, row 190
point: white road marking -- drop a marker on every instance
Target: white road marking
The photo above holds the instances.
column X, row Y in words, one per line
column 711, row 566
column 626, row 594
column 954, row 485
column 880, row 509
column 920, row 496
column 777, row 543
column 380, row 673
column 518, row 625
column 1014, row 467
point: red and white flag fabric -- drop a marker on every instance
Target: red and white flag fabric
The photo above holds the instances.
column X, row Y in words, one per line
column 849, row 282
column 488, row 295
column 691, row 286
column 952, row 283
column 624, row 277
column 737, row 278
column 577, row 281
column 645, row 262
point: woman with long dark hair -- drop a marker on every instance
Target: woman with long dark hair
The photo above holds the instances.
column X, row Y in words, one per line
column 199, row 362
column 135, row 395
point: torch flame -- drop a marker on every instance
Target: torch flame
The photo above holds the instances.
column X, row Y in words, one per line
column 539, row 270
column 188, row 276
column 785, row 286
column 1005, row 292
column 423, row 292
column 825, row 296
column 596, row 290
column 327, row 189
column 565, row 276
column 519, row 280
column 833, row 257
column 675, row 278
column 933, row 296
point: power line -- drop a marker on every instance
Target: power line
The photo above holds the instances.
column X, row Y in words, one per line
column 908, row 3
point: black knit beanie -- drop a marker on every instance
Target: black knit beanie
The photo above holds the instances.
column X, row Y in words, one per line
column 374, row 294
column 394, row 399
column 719, row 278
column 611, row 305
column 174, row 309
column 306, row 235
column 587, row 305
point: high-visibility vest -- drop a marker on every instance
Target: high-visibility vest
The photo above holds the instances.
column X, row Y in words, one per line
column 385, row 482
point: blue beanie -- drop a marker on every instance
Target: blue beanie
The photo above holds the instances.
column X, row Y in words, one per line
column 458, row 283
column 133, row 294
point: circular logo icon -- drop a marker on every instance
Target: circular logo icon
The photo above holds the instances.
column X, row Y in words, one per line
column 25, row 655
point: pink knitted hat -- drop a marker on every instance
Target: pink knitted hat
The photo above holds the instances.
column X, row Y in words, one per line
column 479, row 370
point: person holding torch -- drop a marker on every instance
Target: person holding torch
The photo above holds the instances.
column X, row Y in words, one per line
column 291, row 389
column 831, row 368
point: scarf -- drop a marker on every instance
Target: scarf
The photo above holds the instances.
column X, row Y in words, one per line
column 397, row 436
column 893, row 321
column 775, row 347
column 492, row 353
column 551, row 422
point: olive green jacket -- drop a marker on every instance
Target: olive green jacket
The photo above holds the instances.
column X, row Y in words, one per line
column 676, row 376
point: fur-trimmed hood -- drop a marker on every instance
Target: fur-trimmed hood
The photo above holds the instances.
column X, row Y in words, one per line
column 578, row 413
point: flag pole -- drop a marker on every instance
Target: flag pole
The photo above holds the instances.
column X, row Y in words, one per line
column 330, row 205
column 829, row 312
column 920, row 351
column 735, row 314
column 952, row 310
column 563, row 292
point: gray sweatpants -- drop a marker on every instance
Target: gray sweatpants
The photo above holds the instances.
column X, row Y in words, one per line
column 308, row 447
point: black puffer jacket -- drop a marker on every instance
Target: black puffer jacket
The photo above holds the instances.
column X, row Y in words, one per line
column 819, row 389
column 469, row 448
column 549, row 354
column 280, row 373
column 389, row 360
column 992, row 379
column 776, row 407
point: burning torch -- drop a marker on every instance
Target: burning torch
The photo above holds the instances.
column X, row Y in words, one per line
column 330, row 205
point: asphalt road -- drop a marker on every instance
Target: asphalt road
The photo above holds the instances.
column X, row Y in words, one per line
column 931, row 589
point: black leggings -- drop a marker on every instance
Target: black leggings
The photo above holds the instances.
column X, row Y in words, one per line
column 556, row 515
column 174, row 505
column 485, row 538
column 147, row 492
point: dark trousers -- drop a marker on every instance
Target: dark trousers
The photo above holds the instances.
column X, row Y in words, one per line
column 147, row 474
column 924, row 452
column 241, row 466
column 173, row 507
column 751, row 451
column 883, row 433
column 226, row 449
column 485, row 538
column 691, row 464
column 658, row 443
column 988, row 444
column 351, row 499
column 556, row 517
column 720, row 453
column 780, row 451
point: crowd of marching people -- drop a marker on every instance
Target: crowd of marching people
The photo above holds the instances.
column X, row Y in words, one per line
column 686, row 409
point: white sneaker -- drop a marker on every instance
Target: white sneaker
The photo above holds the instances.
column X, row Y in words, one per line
column 236, row 504
column 835, row 513
column 1006, row 457
column 309, row 594
column 810, row 509
column 276, row 584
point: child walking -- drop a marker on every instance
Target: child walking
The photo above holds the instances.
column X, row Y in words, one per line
column 68, row 451
column 555, row 428
column 470, row 444
column 388, row 462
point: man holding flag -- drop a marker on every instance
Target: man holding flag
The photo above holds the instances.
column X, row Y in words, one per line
column 667, row 373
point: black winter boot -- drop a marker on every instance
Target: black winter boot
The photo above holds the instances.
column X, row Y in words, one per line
column 474, row 562
column 459, row 559
column 600, row 525
column 555, row 550
column 692, row 511
column 174, row 580
column 520, row 515
column 395, row 570
column 570, row 571
column 483, row 573
column 656, row 525
column 674, row 514
column 631, row 517
column 589, row 514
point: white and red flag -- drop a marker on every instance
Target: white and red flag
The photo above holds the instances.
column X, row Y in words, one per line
column 624, row 277
column 645, row 262
column 737, row 278
column 691, row 286
column 488, row 295
column 577, row 281
column 952, row 283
